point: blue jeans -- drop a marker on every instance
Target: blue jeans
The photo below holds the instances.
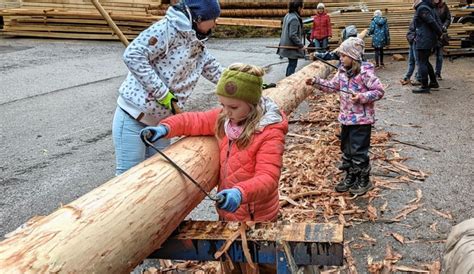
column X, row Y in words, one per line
column 129, row 148
column 292, row 63
column 439, row 60
column 411, row 62
column 321, row 45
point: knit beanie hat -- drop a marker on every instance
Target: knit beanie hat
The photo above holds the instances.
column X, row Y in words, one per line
column 320, row 6
column 240, row 85
column 352, row 47
column 349, row 31
column 378, row 13
column 203, row 10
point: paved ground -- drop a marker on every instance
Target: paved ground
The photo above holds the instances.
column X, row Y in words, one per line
column 57, row 100
column 441, row 120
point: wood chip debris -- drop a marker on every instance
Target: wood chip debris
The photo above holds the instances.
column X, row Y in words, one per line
column 446, row 215
column 389, row 265
column 310, row 173
column 398, row 237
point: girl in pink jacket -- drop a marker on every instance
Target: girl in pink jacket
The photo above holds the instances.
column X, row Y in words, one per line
column 359, row 88
column 250, row 130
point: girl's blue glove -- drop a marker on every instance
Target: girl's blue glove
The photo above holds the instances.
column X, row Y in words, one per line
column 152, row 134
column 231, row 199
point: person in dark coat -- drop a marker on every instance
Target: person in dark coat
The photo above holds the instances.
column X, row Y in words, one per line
column 292, row 36
column 428, row 30
column 380, row 36
column 445, row 17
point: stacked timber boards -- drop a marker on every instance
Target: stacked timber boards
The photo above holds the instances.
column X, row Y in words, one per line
column 78, row 19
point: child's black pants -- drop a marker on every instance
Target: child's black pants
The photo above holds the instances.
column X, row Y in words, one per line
column 379, row 56
column 355, row 144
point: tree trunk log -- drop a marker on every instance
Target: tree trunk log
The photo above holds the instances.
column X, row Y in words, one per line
column 117, row 225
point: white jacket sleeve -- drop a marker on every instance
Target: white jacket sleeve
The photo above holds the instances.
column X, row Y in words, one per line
column 212, row 69
column 149, row 45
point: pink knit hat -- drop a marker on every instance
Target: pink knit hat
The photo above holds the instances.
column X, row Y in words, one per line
column 352, row 47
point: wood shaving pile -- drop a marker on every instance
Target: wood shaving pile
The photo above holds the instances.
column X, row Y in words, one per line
column 310, row 169
column 310, row 173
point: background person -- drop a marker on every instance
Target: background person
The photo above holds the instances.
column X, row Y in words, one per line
column 322, row 30
column 445, row 17
column 411, row 57
column 428, row 30
column 292, row 36
column 380, row 36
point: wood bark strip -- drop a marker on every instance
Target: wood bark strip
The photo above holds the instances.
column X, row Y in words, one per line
column 117, row 225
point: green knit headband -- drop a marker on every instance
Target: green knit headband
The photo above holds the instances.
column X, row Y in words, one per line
column 240, row 85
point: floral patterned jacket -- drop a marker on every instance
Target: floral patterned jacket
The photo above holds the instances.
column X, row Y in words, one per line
column 365, row 83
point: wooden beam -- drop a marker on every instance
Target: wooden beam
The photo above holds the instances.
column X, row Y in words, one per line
column 110, row 21
column 116, row 226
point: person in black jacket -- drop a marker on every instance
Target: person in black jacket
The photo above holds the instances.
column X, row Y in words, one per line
column 445, row 17
column 428, row 30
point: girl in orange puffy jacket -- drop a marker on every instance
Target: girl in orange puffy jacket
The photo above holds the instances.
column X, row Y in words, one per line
column 251, row 134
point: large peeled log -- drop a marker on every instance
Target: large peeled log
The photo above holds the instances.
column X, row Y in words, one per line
column 115, row 226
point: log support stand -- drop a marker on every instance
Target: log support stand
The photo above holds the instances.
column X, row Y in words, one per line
column 283, row 245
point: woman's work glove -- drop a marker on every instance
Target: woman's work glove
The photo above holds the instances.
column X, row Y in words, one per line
column 152, row 134
column 231, row 199
column 168, row 101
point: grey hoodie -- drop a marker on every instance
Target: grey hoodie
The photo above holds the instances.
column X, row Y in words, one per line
column 166, row 56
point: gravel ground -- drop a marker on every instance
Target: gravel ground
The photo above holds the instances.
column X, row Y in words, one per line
column 58, row 97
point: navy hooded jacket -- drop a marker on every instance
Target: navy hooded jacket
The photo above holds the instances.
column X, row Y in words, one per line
column 427, row 26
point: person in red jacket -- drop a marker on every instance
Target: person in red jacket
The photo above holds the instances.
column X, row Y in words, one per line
column 250, row 130
column 322, row 30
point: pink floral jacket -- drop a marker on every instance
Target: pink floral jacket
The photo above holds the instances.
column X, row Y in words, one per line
column 365, row 83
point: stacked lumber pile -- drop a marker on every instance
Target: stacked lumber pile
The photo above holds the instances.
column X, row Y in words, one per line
column 78, row 19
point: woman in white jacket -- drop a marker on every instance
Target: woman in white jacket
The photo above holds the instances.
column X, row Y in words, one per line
column 165, row 62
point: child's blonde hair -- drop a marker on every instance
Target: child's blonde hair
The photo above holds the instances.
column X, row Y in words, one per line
column 250, row 124
column 355, row 67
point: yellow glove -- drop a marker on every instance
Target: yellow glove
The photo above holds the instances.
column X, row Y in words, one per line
column 169, row 101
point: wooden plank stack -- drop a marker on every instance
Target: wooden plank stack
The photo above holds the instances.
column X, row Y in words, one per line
column 78, row 19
